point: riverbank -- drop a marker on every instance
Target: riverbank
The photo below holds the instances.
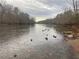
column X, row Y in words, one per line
column 72, row 39
column 75, row 45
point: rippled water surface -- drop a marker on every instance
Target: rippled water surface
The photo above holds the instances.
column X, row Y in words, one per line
column 32, row 42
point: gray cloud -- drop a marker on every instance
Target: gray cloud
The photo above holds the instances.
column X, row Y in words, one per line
column 40, row 7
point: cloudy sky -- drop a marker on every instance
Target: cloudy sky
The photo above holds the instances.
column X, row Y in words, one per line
column 41, row 9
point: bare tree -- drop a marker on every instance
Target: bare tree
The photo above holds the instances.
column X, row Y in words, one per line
column 3, row 2
column 75, row 5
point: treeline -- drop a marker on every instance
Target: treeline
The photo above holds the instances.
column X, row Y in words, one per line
column 69, row 16
column 12, row 15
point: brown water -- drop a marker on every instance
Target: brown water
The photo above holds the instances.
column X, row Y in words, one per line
column 29, row 42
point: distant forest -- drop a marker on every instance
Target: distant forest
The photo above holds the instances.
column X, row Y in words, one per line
column 69, row 16
column 12, row 15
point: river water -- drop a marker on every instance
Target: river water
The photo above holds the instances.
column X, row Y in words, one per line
column 32, row 42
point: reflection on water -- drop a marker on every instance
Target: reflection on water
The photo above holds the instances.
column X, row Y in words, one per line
column 60, row 28
column 29, row 42
column 7, row 32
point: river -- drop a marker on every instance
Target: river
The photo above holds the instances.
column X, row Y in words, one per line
column 32, row 42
